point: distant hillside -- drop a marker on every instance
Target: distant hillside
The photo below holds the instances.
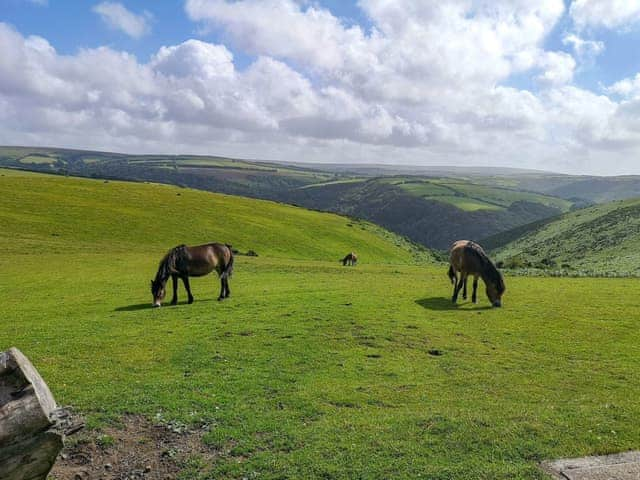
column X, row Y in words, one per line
column 381, row 170
column 600, row 239
column 60, row 215
column 432, row 210
column 579, row 189
column 216, row 174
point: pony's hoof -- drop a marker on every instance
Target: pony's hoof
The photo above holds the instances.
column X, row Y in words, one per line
column 220, row 299
column 190, row 301
column 174, row 303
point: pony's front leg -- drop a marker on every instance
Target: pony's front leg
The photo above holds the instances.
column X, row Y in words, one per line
column 185, row 280
column 474, row 295
column 174, row 280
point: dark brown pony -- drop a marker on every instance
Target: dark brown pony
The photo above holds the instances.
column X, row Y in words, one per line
column 184, row 262
column 469, row 258
column 350, row 259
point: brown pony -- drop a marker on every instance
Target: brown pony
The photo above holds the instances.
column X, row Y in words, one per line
column 469, row 258
column 350, row 259
column 184, row 262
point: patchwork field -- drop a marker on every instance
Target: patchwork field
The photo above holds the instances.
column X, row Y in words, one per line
column 310, row 369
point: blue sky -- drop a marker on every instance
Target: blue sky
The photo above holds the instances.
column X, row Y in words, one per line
column 437, row 80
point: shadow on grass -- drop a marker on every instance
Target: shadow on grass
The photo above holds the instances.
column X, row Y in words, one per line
column 442, row 303
column 145, row 306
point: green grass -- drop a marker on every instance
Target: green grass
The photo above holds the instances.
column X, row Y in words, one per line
column 504, row 196
column 37, row 159
column 310, row 369
column 424, row 188
column 471, row 194
column 603, row 239
column 57, row 213
column 465, row 203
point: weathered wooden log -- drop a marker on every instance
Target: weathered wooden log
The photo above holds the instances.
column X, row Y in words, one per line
column 30, row 427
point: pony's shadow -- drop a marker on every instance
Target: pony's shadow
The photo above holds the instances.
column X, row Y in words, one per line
column 132, row 308
column 146, row 306
column 442, row 303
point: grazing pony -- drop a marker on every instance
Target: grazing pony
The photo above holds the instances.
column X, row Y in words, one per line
column 184, row 262
column 469, row 258
column 350, row 259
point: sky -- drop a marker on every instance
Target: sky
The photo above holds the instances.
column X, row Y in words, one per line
column 546, row 84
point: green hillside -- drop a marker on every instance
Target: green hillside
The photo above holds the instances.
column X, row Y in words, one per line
column 601, row 239
column 213, row 173
column 484, row 195
column 310, row 369
column 45, row 212
column 464, row 206
column 434, row 211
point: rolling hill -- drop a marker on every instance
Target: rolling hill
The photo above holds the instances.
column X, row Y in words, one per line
column 469, row 206
column 45, row 211
column 602, row 239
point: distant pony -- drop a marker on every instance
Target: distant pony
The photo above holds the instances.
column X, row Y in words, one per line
column 184, row 262
column 350, row 259
column 469, row 258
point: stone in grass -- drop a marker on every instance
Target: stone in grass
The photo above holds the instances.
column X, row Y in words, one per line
column 620, row 466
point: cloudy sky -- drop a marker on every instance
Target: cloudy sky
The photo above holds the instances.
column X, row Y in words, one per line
column 547, row 84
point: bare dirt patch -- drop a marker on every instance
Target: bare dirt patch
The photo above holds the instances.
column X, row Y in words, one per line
column 136, row 450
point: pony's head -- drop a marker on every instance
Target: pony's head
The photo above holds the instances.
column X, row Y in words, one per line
column 158, row 291
column 495, row 289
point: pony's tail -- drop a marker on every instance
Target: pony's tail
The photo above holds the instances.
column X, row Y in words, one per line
column 228, row 269
column 452, row 275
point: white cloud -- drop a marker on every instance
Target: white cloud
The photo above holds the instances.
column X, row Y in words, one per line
column 413, row 46
column 194, row 58
column 628, row 87
column 604, row 13
column 116, row 16
column 586, row 49
column 558, row 68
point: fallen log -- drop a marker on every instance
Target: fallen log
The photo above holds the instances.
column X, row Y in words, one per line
column 31, row 424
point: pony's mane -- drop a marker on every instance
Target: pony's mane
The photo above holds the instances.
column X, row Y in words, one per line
column 168, row 263
column 489, row 270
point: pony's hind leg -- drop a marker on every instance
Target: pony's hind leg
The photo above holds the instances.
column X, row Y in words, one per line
column 464, row 289
column 461, row 281
column 454, row 281
column 174, row 281
column 185, row 280
column 222, row 290
column 227, row 289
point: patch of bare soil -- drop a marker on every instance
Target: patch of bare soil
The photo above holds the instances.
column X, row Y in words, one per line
column 138, row 450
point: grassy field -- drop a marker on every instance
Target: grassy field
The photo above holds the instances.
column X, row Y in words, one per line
column 472, row 194
column 310, row 370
